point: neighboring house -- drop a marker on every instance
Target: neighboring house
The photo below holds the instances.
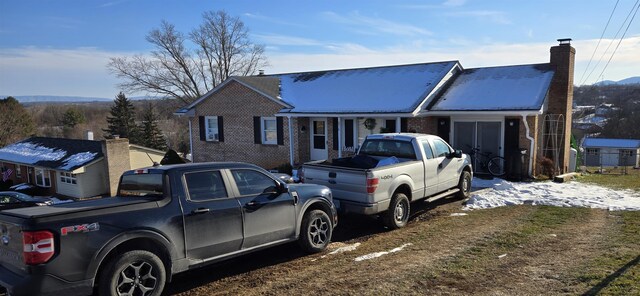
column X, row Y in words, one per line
column 293, row 118
column 74, row 168
column 611, row 152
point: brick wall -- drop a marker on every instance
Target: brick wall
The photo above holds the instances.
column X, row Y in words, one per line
column 423, row 125
column 116, row 155
column 238, row 105
column 560, row 97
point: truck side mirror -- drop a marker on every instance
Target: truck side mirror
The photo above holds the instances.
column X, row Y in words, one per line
column 455, row 153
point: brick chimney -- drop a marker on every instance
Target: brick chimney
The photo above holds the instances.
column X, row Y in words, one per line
column 117, row 160
column 560, row 99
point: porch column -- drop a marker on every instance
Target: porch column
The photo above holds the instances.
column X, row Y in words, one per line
column 290, row 140
column 398, row 124
column 339, row 137
column 190, row 140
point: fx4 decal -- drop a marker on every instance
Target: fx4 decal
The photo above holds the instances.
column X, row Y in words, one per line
column 80, row 228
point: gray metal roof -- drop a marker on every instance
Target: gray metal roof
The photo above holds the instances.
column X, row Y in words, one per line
column 522, row 87
column 611, row 143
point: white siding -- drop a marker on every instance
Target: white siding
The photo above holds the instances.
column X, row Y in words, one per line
column 139, row 158
column 89, row 184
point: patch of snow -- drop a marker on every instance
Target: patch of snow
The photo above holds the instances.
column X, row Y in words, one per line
column 77, row 159
column 347, row 248
column 502, row 256
column 30, row 153
column 571, row 194
column 457, row 214
column 379, row 254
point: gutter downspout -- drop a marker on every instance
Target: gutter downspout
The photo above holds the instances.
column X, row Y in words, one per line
column 190, row 141
column 290, row 140
column 528, row 135
column 339, row 137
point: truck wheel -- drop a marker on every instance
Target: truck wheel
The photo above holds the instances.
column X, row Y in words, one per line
column 315, row 231
column 464, row 185
column 133, row 273
column 398, row 213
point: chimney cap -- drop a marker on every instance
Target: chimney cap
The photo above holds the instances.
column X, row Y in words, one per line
column 260, row 72
column 565, row 41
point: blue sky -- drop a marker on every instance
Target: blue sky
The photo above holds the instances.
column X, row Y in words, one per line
column 62, row 47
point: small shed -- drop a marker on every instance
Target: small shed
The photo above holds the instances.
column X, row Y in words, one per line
column 611, row 152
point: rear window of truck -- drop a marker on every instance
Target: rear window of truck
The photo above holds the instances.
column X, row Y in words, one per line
column 388, row 148
column 141, row 185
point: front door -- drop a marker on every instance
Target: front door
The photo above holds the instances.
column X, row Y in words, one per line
column 269, row 215
column 319, row 139
column 212, row 219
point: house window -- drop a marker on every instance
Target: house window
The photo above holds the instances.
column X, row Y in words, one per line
column 593, row 151
column 269, row 130
column 43, row 178
column 18, row 171
column 211, row 126
column 68, row 178
column 626, row 153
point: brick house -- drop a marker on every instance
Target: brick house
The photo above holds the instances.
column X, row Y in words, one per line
column 73, row 168
column 293, row 118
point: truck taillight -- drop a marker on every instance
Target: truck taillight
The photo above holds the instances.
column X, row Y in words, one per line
column 372, row 184
column 38, row 247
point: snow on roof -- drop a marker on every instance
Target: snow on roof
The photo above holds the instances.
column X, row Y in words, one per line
column 613, row 143
column 367, row 90
column 522, row 87
column 53, row 153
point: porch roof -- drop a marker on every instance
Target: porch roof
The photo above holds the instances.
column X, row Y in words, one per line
column 521, row 87
column 390, row 89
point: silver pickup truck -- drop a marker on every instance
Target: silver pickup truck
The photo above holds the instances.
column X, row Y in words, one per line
column 389, row 172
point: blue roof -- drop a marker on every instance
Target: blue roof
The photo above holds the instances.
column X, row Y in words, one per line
column 522, row 87
column 388, row 89
column 612, row 143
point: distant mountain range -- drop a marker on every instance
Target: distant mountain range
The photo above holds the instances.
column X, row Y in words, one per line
column 70, row 99
column 630, row 80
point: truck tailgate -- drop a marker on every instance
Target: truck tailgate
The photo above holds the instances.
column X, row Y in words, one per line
column 11, row 247
column 345, row 184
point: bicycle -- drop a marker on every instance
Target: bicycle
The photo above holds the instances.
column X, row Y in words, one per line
column 493, row 164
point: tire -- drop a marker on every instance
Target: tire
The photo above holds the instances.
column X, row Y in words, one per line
column 464, row 185
column 315, row 231
column 496, row 166
column 398, row 213
column 133, row 273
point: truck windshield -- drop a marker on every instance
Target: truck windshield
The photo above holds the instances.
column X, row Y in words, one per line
column 138, row 185
column 388, row 148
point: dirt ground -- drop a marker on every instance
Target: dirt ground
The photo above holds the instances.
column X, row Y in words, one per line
column 523, row 250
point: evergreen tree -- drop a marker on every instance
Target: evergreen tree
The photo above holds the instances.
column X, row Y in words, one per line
column 15, row 121
column 122, row 120
column 150, row 135
column 72, row 117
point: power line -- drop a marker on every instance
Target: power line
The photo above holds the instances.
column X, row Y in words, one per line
column 601, row 35
column 612, row 41
column 620, row 41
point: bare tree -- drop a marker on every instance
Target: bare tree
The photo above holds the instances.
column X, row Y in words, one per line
column 220, row 47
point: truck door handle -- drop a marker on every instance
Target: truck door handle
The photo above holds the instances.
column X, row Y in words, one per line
column 251, row 204
column 200, row 211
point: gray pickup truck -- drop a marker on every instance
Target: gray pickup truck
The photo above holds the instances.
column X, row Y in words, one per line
column 389, row 172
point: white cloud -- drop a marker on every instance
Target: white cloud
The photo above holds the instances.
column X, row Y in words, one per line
column 274, row 39
column 362, row 23
column 498, row 17
column 454, row 2
column 269, row 19
column 48, row 71
column 625, row 63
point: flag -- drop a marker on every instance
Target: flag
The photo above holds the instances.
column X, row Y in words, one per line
column 6, row 174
